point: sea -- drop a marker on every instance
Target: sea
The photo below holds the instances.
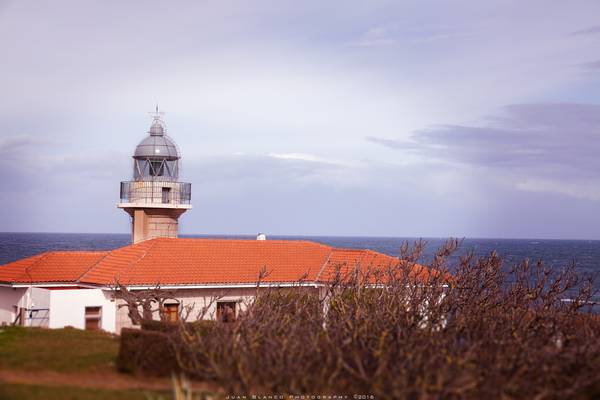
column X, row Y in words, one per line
column 556, row 254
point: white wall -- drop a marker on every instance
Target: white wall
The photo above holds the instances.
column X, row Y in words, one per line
column 39, row 303
column 198, row 298
column 67, row 308
column 9, row 298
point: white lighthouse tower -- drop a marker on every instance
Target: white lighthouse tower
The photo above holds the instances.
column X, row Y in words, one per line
column 155, row 199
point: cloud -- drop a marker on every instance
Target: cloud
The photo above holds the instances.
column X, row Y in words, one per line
column 32, row 162
column 378, row 36
column 297, row 169
column 14, row 145
column 591, row 65
column 594, row 30
column 306, row 157
column 572, row 189
column 552, row 144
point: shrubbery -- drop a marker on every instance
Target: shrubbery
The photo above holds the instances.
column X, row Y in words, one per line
column 151, row 350
column 148, row 352
column 482, row 332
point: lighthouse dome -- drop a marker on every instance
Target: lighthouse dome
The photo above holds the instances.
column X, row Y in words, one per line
column 156, row 157
column 157, row 147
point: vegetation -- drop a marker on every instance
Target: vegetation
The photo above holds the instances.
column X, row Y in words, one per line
column 61, row 350
column 486, row 331
column 39, row 392
column 150, row 302
column 37, row 363
column 146, row 352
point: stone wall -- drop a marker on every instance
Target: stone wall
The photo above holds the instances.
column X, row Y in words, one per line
column 150, row 223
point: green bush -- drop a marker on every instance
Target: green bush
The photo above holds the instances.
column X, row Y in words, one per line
column 146, row 352
column 151, row 350
column 159, row 326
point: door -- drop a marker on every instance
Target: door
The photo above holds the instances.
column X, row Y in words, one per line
column 166, row 195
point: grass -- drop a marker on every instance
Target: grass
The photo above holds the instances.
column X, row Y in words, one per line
column 38, row 392
column 69, row 354
column 59, row 350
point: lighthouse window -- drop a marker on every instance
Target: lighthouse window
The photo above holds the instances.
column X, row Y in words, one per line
column 157, row 168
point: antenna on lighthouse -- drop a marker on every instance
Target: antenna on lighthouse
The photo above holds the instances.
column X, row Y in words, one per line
column 156, row 115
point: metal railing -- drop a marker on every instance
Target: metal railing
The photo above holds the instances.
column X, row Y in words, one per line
column 32, row 317
column 156, row 192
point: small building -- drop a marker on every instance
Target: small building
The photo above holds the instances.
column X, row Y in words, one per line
column 58, row 289
column 76, row 288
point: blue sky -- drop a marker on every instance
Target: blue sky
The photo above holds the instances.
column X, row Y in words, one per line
column 391, row 118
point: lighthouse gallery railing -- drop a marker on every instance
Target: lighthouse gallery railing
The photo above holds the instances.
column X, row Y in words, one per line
column 156, row 192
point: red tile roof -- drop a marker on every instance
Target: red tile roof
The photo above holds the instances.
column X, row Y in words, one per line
column 193, row 262
column 56, row 266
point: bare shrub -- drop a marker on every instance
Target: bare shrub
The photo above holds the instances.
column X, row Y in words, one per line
column 149, row 301
column 408, row 332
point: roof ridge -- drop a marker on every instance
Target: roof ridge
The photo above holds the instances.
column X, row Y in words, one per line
column 26, row 269
column 78, row 280
column 78, row 251
column 350, row 249
column 250, row 240
column 152, row 244
column 324, row 264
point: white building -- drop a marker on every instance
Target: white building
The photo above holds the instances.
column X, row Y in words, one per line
column 58, row 289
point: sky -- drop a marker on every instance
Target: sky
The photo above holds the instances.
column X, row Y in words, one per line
column 369, row 118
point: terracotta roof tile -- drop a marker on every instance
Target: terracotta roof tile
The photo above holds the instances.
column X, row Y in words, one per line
column 57, row 266
column 194, row 262
column 347, row 260
column 205, row 261
column 114, row 263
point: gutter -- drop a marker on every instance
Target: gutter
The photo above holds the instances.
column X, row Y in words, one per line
column 45, row 285
column 224, row 286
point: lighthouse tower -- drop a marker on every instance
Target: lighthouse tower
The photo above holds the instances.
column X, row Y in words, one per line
column 155, row 199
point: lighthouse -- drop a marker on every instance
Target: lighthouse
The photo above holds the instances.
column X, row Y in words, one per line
column 155, row 199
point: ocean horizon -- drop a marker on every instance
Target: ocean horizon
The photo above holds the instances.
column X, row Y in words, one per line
column 556, row 253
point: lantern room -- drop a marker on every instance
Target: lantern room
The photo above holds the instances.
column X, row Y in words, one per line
column 156, row 158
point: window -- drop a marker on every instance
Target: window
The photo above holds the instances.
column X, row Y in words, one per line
column 93, row 318
column 226, row 311
column 172, row 312
column 166, row 195
column 157, row 168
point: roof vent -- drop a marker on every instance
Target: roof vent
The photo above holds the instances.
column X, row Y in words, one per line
column 261, row 236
